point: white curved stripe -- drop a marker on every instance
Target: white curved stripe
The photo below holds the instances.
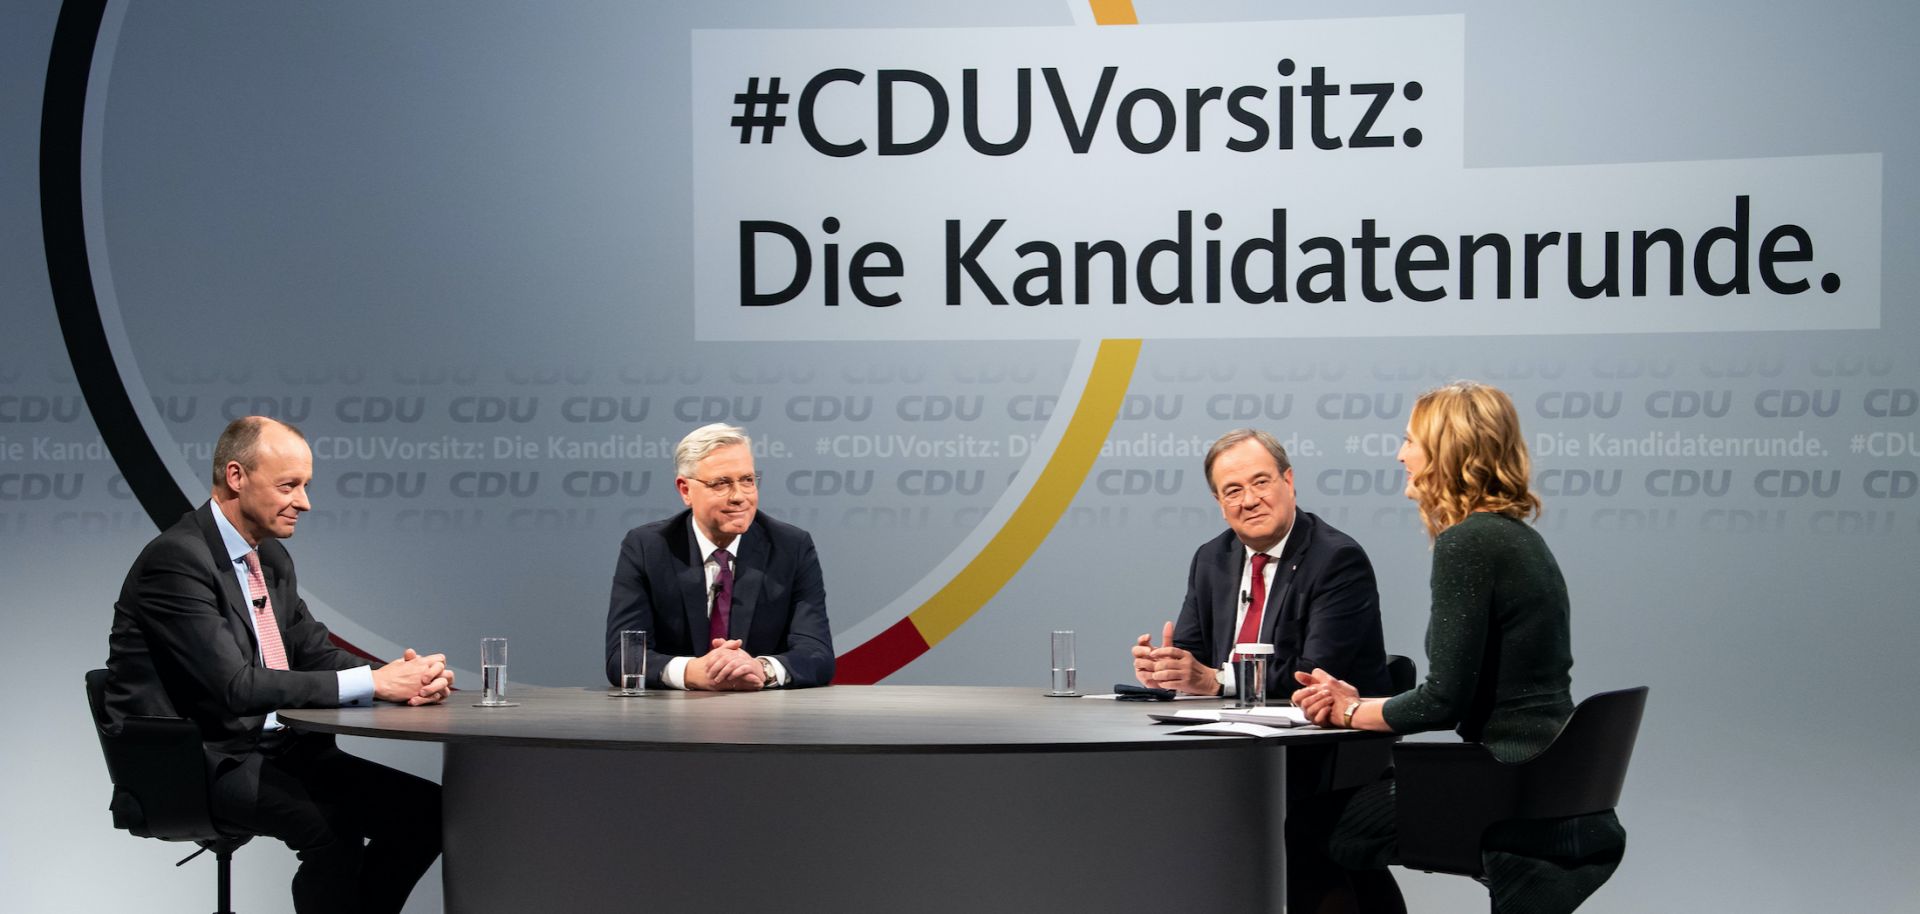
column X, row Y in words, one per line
column 184, row 475
column 1076, row 386
column 1071, row 393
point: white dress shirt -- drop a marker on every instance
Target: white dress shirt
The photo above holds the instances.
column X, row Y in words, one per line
column 356, row 685
column 675, row 672
column 1271, row 572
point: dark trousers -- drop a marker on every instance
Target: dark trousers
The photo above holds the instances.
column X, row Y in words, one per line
column 1533, row 866
column 364, row 833
column 1318, row 793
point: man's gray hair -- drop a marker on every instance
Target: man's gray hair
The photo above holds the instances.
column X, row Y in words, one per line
column 703, row 441
column 1245, row 434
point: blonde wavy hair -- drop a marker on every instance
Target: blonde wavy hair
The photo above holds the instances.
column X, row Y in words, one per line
column 1476, row 457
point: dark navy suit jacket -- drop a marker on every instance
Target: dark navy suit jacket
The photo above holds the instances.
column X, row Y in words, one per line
column 1322, row 608
column 779, row 600
column 182, row 643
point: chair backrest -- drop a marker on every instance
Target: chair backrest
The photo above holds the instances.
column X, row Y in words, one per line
column 159, row 772
column 1584, row 768
column 1401, row 674
column 1448, row 794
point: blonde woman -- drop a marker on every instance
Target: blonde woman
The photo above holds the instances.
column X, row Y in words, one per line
column 1498, row 652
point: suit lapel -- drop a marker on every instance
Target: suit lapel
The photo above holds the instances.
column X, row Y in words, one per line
column 693, row 588
column 284, row 597
column 1280, row 585
column 1226, row 596
column 749, row 572
column 236, row 603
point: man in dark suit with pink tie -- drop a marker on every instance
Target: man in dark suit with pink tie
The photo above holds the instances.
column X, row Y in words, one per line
column 210, row 626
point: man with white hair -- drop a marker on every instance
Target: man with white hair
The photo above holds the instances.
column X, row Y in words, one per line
column 731, row 599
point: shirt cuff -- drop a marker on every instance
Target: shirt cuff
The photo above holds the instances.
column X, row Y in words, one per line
column 674, row 676
column 780, row 677
column 1224, row 676
column 356, row 687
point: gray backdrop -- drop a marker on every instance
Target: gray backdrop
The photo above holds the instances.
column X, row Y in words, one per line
column 406, row 225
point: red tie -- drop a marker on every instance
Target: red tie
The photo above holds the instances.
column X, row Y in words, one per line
column 271, row 650
column 1250, row 628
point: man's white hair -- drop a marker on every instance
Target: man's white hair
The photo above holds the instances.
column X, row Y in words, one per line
column 703, row 441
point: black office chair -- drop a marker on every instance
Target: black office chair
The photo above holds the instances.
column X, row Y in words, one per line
column 1449, row 794
column 1401, row 674
column 160, row 783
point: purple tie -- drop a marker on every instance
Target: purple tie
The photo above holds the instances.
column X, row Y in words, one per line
column 722, row 596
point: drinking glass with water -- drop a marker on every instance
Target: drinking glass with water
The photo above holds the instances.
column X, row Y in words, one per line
column 493, row 674
column 633, row 664
column 1064, row 672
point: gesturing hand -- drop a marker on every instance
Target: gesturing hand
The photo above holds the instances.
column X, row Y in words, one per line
column 1169, row 667
column 1143, row 659
column 1322, row 697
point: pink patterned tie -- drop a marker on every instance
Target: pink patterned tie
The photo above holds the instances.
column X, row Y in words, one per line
column 271, row 650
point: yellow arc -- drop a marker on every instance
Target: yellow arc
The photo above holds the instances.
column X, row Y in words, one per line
column 1042, row 506
column 1099, row 405
column 1030, row 523
column 1113, row 12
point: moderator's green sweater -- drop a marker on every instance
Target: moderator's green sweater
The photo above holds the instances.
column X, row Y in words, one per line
column 1498, row 651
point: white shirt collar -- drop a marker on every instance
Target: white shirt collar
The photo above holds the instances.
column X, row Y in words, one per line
column 1278, row 547
column 236, row 544
column 706, row 545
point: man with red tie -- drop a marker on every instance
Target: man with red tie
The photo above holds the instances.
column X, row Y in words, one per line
column 210, row 626
column 1277, row 576
column 1284, row 577
column 730, row 599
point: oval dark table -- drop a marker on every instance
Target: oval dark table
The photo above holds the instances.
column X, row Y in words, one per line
column 848, row 798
